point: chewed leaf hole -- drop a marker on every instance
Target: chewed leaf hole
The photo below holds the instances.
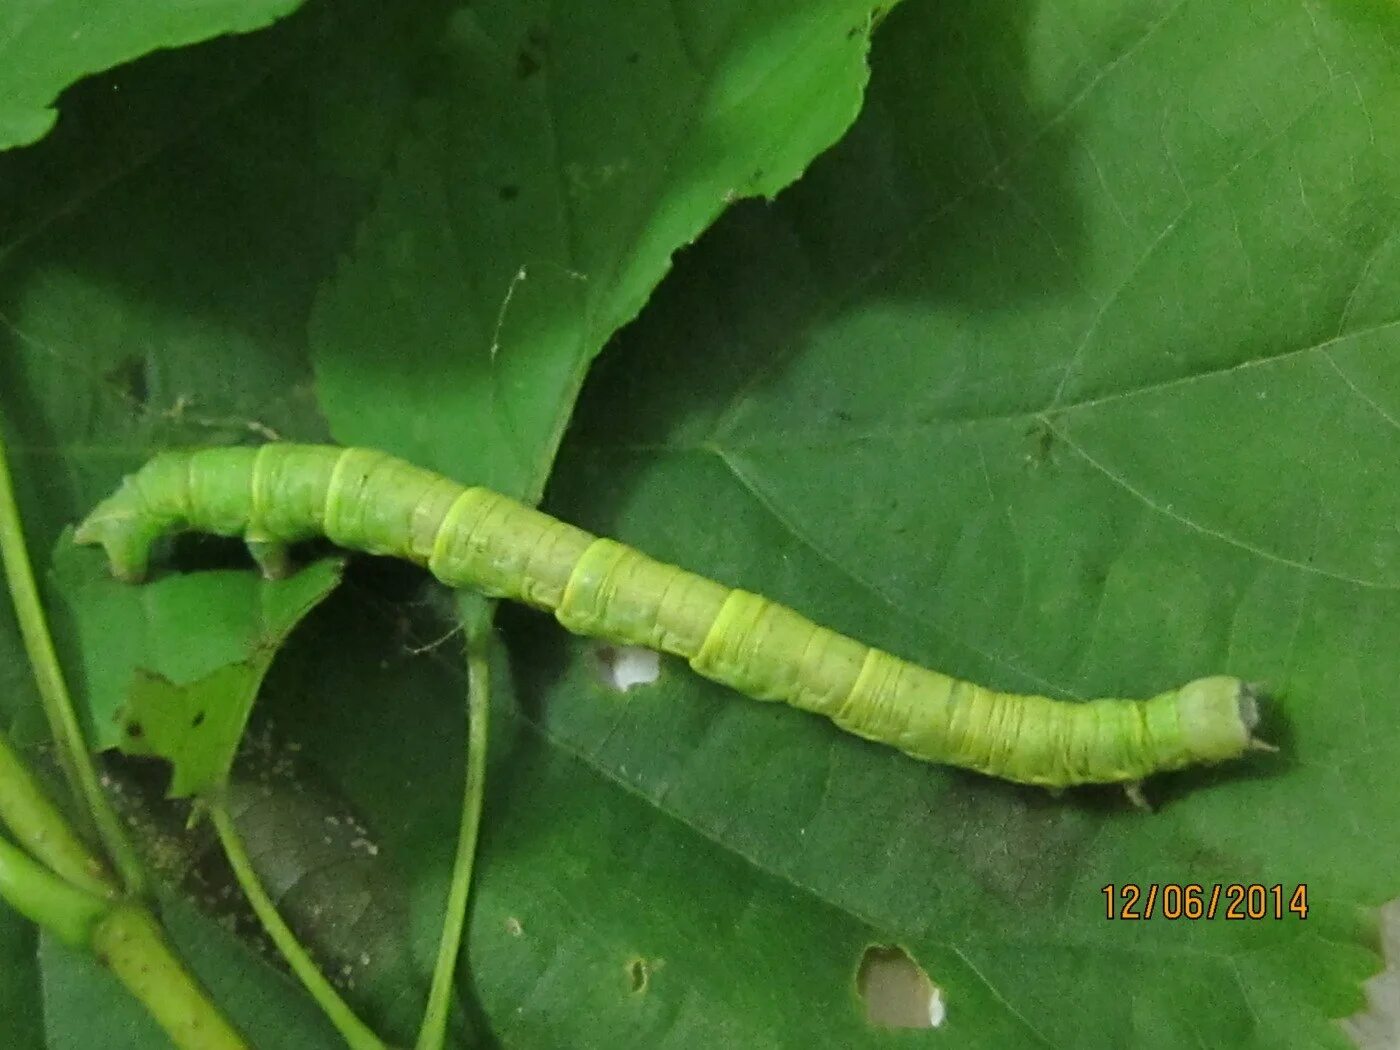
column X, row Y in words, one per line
column 626, row 666
column 896, row 991
column 638, row 975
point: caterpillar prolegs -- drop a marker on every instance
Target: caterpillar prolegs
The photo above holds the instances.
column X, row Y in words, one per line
column 366, row 500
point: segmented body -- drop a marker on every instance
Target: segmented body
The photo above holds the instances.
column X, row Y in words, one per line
column 369, row 501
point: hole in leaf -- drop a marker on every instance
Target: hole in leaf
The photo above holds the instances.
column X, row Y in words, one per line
column 896, row 991
column 626, row 666
column 1379, row 1025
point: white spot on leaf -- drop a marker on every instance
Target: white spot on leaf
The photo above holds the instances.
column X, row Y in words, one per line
column 626, row 666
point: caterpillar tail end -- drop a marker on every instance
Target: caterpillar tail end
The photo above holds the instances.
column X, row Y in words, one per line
column 122, row 535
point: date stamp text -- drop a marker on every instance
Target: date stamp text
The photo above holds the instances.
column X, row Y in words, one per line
column 1233, row 901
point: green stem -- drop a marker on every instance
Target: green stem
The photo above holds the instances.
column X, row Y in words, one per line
column 58, row 706
column 41, row 896
column 42, row 829
column 130, row 943
column 476, row 619
column 356, row 1033
column 126, row 939
column 73, row 900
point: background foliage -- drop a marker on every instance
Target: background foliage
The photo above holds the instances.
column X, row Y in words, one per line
column 1069, row 369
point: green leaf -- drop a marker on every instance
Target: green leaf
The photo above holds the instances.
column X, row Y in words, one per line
column 342, row 894
column 19, row 986
column 593, row 912
column 21, row 716
column 164, row 720
column 1072, row 370
column 554, row 163
column 172, row 668
column 46, row 46
column 978, row 390
column 160, row 254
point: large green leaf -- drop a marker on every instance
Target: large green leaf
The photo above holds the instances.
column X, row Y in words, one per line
column 45, row 46
column 984, row 389
column 159, row 258
column 553, row 164
column 1074, row 370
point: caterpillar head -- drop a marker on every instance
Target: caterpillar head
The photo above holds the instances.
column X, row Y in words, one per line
column 119, row 527
column 1217, row 716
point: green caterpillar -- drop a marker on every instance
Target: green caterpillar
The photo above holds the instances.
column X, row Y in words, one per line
column 278, row 494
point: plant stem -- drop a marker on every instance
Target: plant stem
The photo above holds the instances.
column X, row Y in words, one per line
column 58, row 706
column 357, row 1035
column 41, row 828
column 41, row 896
column 476, row 620
column 126, row 939
column 73, row 900
column 130, row 943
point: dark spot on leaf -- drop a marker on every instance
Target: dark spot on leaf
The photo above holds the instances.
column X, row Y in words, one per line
column 509, row 192
column 633, row 58
column 639, row 973
column 844, row 416
column 197, row 721
column 532, row 53
column 135, row 730
column 129, row 377
column 1042, row 439
column 896, row 991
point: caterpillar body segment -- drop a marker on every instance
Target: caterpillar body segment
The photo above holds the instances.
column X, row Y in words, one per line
column 277, row 494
